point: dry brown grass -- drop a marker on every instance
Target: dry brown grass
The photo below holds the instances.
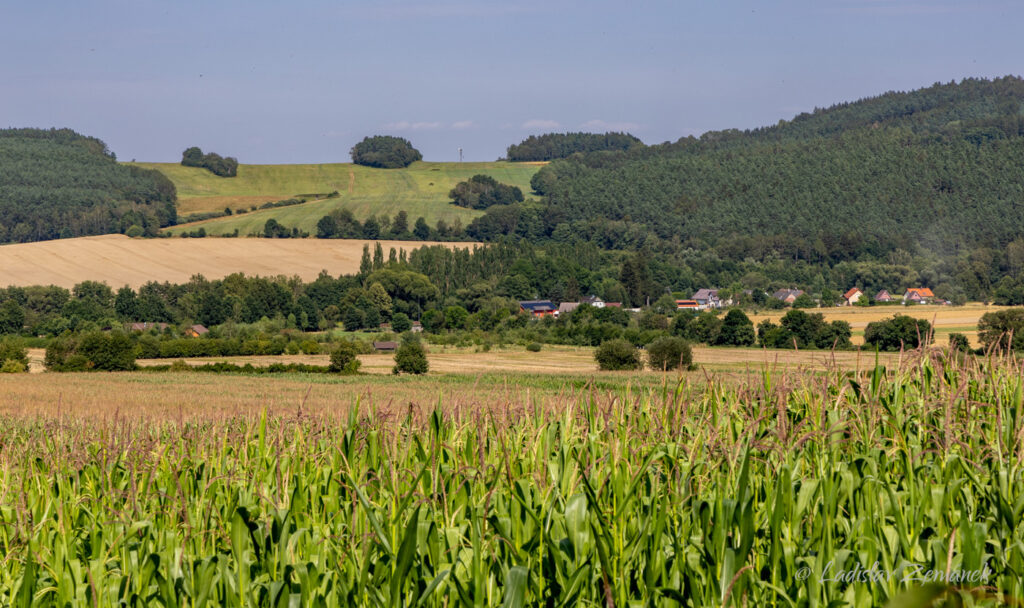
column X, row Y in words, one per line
column 569, row 361
column 465, row 379
column 119, row 260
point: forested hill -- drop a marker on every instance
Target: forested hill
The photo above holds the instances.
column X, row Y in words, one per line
column 57, row 184
column 938, row 170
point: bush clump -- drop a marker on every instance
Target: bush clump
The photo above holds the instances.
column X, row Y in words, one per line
column 13, row 356
column 411, row 358
column 618, row 354
column 212, row 162
column 669, row 352
column 898, row 333
column 385, row 152
column 533, row 347
column 343, row 358
column 95, row 351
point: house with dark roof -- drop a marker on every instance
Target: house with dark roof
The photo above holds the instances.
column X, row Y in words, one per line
column 385, row 346
column 594, row 301
column 883, row 296
column 707, row 298
column 788, row 295
column 538, row 308
column 851, row 297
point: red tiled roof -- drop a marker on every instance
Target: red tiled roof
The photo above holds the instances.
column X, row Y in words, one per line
column 851, row 293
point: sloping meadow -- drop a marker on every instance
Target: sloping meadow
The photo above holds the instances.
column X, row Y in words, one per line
column 805, row 490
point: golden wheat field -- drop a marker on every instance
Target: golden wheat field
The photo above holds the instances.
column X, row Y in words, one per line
column 119, row 260
column 945, row 319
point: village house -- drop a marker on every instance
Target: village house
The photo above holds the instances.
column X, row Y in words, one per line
column 594, row 301
column 788, row 295
column 851, row 297
column 687, row 305
column 143, row 327
column 385, row 346
column 883, row 296
column 567, row 307
column 918, row 295
column 707, row 298
column 196, row 331
column 538, row 308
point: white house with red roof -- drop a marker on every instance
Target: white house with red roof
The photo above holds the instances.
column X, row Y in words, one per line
column 850, row 297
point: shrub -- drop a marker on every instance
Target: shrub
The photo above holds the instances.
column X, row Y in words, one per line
column 310, row 347
column 618, row 354
column 533, row 347
column 134, row 231
column 385, row 152
column 958, row 342
column 13, row 350
column 93, row 351
column 898, row 332
column 411, row 358
column 180, row 366
column 11, row 366
column 343, row 358
column 669, row 353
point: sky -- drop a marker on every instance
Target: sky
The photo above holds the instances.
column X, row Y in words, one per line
column 303, row 81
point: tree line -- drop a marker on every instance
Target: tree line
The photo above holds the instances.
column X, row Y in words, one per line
column 211, row 161
column 561, row 145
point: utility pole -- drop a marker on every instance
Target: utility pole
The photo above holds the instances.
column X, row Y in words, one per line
column 460, row 155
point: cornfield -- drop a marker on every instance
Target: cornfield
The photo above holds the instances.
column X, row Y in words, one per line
column 753, row 493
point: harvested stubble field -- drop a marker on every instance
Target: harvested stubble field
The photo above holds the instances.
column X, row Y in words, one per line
column 463, row 491
column 945, row 319
column 119, row 260
column 558, row 360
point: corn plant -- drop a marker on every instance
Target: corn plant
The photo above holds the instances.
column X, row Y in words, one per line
column 724, row 493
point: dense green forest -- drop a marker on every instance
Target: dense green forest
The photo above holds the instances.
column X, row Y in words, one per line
column 58, row 184
column 560, row 145
column 926, row 186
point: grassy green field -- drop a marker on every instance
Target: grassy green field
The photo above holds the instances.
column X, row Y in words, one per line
column 420, row 189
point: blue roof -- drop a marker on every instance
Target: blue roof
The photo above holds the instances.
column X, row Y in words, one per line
column 538, row 305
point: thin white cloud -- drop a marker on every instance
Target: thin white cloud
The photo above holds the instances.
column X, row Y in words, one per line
column 405, row 125
column 463, row 124
column 540, row 123
column 604, row 125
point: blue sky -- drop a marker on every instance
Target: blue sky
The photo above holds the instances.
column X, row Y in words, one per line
column 274, row 82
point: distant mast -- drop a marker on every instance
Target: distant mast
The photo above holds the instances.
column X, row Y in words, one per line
column 460, row 155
